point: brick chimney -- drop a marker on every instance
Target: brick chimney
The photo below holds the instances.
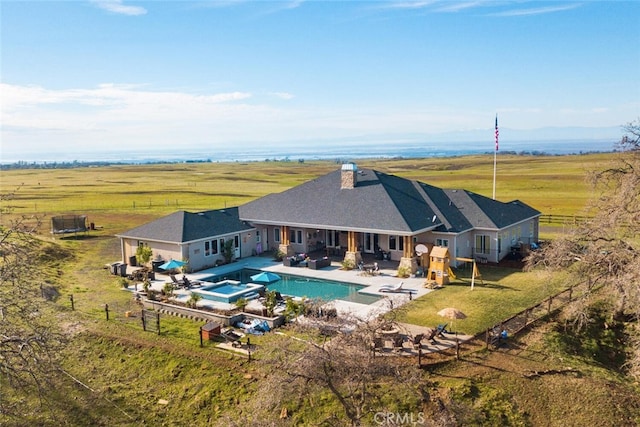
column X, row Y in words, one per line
column 349, row 176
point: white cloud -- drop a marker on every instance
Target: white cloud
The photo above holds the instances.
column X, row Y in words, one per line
column 37, row 107
column 116, row 6
column 283, row 95
column 408, row 5
column 538, row 11
column 458, row 6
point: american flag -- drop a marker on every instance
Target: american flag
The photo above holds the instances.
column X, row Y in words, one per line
column 496, row 132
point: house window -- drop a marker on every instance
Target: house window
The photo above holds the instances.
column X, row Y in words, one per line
column 210, row 247
column 392, row 243
column 258, row 240
column 276, row 234
column 295, row 236
column 483, row 244
column 401, row 243
column 221, row 241
column 442, row 242
column 236, row 241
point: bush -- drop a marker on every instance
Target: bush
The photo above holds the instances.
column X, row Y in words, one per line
column 279, row 255
column 348, row 264
column 404, row 272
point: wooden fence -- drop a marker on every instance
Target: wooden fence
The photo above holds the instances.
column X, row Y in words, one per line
column 563, row 219
column 522, row 320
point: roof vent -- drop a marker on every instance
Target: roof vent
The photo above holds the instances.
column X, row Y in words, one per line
column 349, row 176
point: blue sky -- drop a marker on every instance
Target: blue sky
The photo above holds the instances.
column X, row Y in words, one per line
column 118, row 75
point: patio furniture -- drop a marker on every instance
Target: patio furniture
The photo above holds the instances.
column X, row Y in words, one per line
column 370, row 269
column 316, row 264
column 398, row 341
column 417, row 340
column 391, row 288
column 441, row 330
column 292, row 261
column 432, row 335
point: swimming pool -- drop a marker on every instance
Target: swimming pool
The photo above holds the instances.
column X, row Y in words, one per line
column 228, row 291
column 304, row 287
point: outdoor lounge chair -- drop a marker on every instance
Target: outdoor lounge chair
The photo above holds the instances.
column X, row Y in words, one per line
column 441, row 330
column 432, row 335
column 417, row 340
column 175, row 281
column 391, row 288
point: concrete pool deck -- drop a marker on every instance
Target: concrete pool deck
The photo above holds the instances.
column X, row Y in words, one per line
column 411, row 287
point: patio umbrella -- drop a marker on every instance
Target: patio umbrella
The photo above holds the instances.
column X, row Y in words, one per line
column 171, row 265
column 453, row 314
column 265, row 277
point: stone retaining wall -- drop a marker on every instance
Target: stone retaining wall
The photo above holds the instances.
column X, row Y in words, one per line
column 206, row 316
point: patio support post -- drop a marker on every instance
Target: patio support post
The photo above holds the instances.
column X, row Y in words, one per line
column 352, row 253
column 285, row 243
column 408, row 260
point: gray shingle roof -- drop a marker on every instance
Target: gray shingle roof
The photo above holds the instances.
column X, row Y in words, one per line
column 382, row 203
column 182, row 226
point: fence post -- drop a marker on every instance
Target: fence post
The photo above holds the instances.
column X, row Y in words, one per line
column 570, row 292
column 549, row 306
column 72, row 305
column 158, row 322
column 200, row 332
column 144, row 322
column 106, row 310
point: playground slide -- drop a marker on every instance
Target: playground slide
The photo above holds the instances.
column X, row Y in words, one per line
column 451, row 275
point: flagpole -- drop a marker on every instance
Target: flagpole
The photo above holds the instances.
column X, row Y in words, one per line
column 495, row 160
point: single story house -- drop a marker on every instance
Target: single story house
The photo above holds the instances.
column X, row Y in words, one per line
column 198, row 238
column 351, row 211
column 348, row 212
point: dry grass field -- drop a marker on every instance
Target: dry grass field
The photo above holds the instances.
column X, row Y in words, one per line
column 129, row 370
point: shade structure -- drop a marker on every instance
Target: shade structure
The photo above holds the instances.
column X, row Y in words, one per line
column 453, row 314
column 171, row 265
column 265, row 277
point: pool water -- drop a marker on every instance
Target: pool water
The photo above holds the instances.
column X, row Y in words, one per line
column 305, row 287
column 228, row 291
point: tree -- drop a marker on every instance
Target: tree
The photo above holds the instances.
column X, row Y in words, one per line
column 340, row 361
column 143, row 254
column 604, row 251
column 227, row 251
column 30, row 342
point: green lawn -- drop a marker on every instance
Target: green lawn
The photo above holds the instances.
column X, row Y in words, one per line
column 505, row 292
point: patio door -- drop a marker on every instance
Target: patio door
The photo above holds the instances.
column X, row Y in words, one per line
column 370, row 242
column 236, row 246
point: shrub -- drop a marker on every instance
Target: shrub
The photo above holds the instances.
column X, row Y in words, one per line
column 348, row 264
column 279, row 255
column 404, row 271
column 192, row 302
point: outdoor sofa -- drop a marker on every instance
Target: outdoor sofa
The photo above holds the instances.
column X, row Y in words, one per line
column 318, row 263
